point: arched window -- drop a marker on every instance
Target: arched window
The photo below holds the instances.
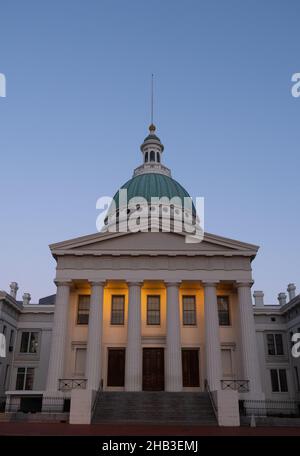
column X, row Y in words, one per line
column 146, row 157
column 152, row 156
column 158, row 157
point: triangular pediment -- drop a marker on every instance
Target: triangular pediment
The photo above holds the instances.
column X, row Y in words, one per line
column 151, row 244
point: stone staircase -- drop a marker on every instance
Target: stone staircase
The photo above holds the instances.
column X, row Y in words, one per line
column 154, row 407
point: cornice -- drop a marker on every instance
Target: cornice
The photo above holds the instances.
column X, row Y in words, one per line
column 208, row 253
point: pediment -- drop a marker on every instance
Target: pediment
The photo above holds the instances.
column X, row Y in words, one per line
column 151, row 244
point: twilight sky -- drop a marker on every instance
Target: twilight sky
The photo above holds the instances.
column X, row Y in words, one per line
column 77, row 109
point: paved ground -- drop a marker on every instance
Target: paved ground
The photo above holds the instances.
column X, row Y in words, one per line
column 63, row 429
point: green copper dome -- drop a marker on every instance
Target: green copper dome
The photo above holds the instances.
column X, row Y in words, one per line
column 151, row 179
column 152, row 185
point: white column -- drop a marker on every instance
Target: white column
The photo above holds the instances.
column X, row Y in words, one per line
column 173, row 364
column 59, row 334
column 133, row 360
column 248, row 339
column 94, row 344
column 212, row 337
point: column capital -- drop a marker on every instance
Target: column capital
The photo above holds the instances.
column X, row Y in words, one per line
column 60, row 283
column 95, row 283
column 210, row 283
column 244, row 284
column 176, row 283
column 136, row 283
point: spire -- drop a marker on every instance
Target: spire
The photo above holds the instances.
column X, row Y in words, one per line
column 152, row 99
column 152, row 148
column 152, row 127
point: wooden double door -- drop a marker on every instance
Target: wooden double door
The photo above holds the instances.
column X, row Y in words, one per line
column 153, row 369
column 116, row 367
column 190, row 367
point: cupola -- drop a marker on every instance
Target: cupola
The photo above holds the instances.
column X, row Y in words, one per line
column 152, row 148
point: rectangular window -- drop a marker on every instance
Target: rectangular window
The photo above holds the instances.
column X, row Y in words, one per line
column 29, row 342
column 271, row 344
column 275, row 344
column 6, row 377
column 80, row 359
column 223, row 310
column 25, row 377
column 279, row 344
column 153, row 310
column 279, row 380
column 189, row 310
column 226, row 363
column 283, row 380
column 274, row 380
column 83, row 310
column 297, row 377
column 4, row 330
column 291, row 342
column 117, row 309
column 11, row 339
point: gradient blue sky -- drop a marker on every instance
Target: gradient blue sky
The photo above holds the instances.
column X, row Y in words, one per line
column 77, row 109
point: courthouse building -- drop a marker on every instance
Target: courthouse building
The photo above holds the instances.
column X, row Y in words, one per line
column 143, row 318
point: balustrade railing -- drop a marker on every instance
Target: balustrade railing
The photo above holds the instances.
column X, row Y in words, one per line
column 242, row 386
column 269, row 407
column 67, row 384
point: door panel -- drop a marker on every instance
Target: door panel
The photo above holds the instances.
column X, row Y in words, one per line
column 116, row 367
column 190, row 367
column 153, row 369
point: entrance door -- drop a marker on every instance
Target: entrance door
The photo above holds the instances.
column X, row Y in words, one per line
column 153, row 369
column 116, row 367
column 190, row 367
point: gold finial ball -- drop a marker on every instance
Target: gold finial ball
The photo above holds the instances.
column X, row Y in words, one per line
column 152, row 127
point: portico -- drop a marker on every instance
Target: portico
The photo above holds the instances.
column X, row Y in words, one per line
column 161, row 295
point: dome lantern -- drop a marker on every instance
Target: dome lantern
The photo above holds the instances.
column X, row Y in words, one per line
column 152, row 148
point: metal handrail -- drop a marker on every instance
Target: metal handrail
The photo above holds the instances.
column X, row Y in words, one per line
column 214, row 406
column 97, row 397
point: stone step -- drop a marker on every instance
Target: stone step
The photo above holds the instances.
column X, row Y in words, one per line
column 146, row 407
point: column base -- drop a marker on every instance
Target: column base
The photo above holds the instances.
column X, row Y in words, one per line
column 133, row 388
column 173, row 388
